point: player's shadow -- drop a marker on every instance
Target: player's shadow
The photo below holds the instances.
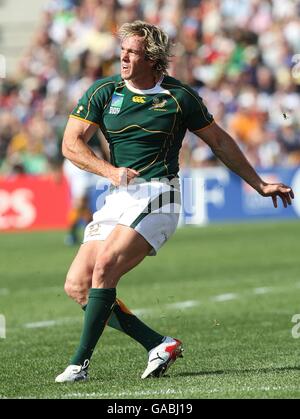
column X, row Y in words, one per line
column 238, row 371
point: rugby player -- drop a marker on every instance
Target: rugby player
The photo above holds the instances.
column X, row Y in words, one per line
column 144, row 114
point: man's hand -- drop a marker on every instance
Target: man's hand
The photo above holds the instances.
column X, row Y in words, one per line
column 278, row 189
column 121, row 176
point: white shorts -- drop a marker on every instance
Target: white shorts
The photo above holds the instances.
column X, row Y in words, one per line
column 150, row 208
column 79, row 180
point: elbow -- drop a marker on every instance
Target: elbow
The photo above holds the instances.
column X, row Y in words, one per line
column 64, row 151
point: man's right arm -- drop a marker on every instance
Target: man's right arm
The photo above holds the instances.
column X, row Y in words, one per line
column 74, row 148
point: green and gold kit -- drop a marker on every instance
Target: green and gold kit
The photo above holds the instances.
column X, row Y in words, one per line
column 144, row 128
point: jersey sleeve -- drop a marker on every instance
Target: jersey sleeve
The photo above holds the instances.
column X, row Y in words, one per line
column 90, row 106
column 196, row 115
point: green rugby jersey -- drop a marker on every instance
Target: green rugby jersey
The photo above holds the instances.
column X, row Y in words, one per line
column 144, row 128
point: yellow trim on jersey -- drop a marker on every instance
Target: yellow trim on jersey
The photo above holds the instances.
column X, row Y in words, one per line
column 201, row 129
column 161, row 149
column 191, row 94
column 138, row 126
column 84, row 120
column 174, row 98
column 98, row 88
column 150, row 164
column 168, row 148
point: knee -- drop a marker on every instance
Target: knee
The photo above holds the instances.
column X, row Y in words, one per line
column 105, row 271
column 76, row 290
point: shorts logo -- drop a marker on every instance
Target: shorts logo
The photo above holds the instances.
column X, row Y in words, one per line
column 80, row 109
column 159, row 104
column 139, row 99
column 94, row 229
column 116, row 103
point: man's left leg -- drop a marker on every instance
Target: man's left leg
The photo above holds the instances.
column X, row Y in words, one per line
column 125, row 321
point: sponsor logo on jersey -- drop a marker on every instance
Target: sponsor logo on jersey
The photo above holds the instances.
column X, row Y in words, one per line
column 159, row 104
column 116, row 103
column 80, row 109
column 139, row 99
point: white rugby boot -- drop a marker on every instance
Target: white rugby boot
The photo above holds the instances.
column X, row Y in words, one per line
column 73, row 373
column 162, row 357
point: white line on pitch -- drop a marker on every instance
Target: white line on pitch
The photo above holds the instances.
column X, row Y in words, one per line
column 37, row 325
column 51, row 323
column 183, row 305
column 198, row 390
column 4, row 292
column 169, row 391
column 126, row 393
column 224, row 297
column 262, row 290
column 142, row 311
column 138, row 312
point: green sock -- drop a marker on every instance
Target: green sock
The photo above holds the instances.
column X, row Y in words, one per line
column 123, row 320
column 97, row 312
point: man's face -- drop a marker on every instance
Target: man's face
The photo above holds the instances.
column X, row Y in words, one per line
column 134, row 66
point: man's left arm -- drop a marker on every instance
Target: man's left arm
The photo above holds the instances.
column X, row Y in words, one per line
column 226, row 149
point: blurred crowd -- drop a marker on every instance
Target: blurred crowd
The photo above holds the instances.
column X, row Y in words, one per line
column 242, row 56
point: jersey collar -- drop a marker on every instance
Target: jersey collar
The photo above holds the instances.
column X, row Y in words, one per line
column 156, row 89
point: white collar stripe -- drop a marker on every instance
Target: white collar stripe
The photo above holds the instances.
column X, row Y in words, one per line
column 155, row 90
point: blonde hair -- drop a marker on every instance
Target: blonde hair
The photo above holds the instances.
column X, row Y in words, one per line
column 156, row 42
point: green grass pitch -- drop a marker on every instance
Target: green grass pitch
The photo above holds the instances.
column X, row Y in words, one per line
column 228, row 291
